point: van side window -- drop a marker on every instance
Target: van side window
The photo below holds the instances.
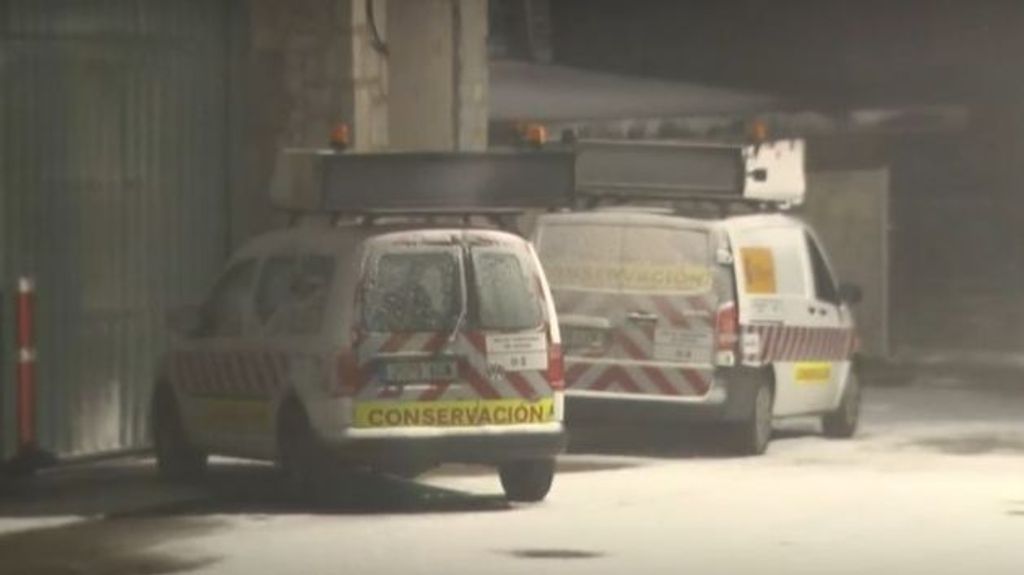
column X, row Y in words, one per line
column 824, row 285
column 274, row 285
column 303, row 309
column 224, row 313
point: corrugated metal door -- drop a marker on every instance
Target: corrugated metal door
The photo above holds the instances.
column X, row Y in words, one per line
column 113, row 185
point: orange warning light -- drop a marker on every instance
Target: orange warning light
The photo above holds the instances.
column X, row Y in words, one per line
column 535, row 134
column 340, row 137
column 759, row 131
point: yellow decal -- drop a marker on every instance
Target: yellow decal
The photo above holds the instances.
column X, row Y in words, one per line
column 634, row 277
column 813, row 372
column 453, row 413
column 759, row 269
column 236, row 413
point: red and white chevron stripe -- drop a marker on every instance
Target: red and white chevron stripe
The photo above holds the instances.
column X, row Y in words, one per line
column 637, row 379
column 778, row 342
column 250, row 373
column 643, row 372
column 470, row 350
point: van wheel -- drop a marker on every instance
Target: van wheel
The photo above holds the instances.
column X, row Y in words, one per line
column 751, row 435
column 527, row 481
column 842, row 423
column 176, row 458
column 298, row 454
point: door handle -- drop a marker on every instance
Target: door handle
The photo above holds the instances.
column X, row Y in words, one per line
column 641, row 316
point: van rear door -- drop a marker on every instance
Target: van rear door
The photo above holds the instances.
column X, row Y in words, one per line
column 636, row 301
column 452, row 333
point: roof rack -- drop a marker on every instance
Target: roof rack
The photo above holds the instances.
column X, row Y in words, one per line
column 493, row 183
column 770, row 173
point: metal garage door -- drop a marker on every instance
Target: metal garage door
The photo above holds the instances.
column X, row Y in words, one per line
column 112, row 145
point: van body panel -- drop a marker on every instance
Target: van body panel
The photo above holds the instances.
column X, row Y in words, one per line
column 304, row 336
column 761, row 263
column 636, row 296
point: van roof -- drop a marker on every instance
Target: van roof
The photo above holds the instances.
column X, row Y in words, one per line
column 643, row 216
column 348, row 235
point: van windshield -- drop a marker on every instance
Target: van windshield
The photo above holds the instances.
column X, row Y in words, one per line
column 626, row 257
column 413, row 290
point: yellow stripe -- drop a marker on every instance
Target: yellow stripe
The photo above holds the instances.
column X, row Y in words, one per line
column 816, row 372
column 453, row 413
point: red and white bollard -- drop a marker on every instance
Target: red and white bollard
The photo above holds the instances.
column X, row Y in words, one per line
column 25, row 378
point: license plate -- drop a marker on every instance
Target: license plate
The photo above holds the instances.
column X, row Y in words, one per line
column 584, row 338
column 419, row 371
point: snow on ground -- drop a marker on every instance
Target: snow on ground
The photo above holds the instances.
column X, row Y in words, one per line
column 932, row 485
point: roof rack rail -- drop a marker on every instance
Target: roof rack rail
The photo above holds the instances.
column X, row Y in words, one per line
column 770, row 173
column 495, row 182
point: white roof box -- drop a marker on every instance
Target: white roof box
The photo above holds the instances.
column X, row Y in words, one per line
column 313, row 180
column 775, row 172
column 628, row 170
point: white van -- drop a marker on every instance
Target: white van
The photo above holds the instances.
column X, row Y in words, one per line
column 396, row 342
column 729, row 318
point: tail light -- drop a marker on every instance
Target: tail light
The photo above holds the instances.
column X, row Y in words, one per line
column 556, row 367
column 349, row 375
column 727, row 333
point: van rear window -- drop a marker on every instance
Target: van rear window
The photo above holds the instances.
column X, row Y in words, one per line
column 413, row 291
column 421, row 290
column 506, row 297
column 626, row 257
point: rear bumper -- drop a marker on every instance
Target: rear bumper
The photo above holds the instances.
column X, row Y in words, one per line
column 485, row 444
column 730, row 398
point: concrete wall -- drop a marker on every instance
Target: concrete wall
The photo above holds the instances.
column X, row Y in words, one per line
column 299, row 68
column 850, row 212
column 296, row 70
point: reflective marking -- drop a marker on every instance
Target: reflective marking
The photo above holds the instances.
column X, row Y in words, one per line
column 453, row 413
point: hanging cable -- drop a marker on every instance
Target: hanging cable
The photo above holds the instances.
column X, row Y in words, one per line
column 376, row 41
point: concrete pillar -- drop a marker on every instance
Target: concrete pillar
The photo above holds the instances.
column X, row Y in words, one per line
column 471, row 75
column 295, row 71
column 415, row 78
column 369, row 74
column 437, row 58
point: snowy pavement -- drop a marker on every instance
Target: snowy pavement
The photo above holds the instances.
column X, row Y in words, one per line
column 933, row 484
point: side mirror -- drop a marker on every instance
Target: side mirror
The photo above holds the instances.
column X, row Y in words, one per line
column 185, row 321
column 850, row 293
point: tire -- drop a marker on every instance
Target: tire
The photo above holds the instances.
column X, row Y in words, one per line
column 842, row 423
column 752, row 435
column 176, row 458
column 299, row 455
column 527, row 481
